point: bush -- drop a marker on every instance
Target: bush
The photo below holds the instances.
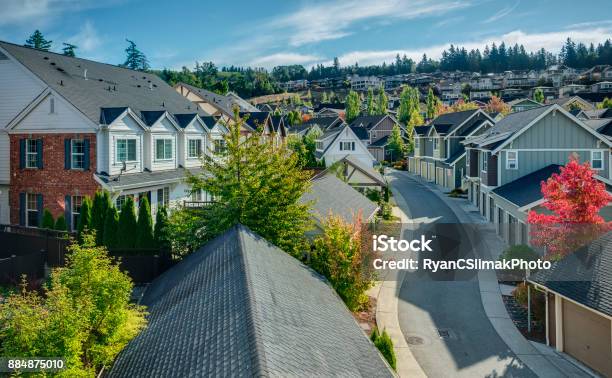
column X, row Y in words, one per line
column 127, row 230
column 101, row 203
column 47, row 220
column 60, row 224
column 385, row 345
column 111, row 225
column 538, row 301
column 385, row 211
column 521, row 251
column 161, row 232
column 373, row 195
column 84, row 223
column 144, row 236
column 387, row 193
column 84, row 315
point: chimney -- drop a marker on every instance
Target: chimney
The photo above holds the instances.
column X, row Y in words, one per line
column 85, row 74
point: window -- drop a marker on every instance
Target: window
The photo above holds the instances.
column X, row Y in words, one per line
column 31, row 210
column 485, row 160
column 436, row 143
column 126, row 150
column 219, row 146
column 195, row 148
column 196, row 195
column 31, row 153
column 121, row 200
column 163, row 149
column 163, row 197
column 77, row 153
column 319, row 145
column 417, row 143
column 76, row 210
column 597, row 160
column 511, row 160
column 347, row 146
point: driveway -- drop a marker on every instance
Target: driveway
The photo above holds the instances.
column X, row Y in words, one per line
column 441, row 315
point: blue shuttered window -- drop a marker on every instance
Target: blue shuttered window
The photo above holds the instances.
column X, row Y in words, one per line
column 22, row 153
column 39, row 149
column 86, row 157
column 67, row 160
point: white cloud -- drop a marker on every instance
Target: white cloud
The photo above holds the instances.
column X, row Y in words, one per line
column 502, row 13
column 327, row 21
column 18, row 12
column 284, row 58
column 551, row 41
column 87, row 39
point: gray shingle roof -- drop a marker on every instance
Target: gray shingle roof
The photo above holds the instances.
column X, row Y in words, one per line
column 527, row 189
column 323, row 122
column 147, row 178
column 106, row 86
column 450, row 121
column 584, row 276
column 513, row 122
column 240, row 306
column 184, row 119
column 329, row 193
column 380, row 142
column 361, row 132
column 421, row 130
column 367, row 121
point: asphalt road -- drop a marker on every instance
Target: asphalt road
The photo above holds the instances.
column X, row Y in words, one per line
column 441, row 315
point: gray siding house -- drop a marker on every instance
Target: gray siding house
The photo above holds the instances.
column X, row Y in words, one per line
column 374, row 132
column 439, row 155
column 506, row 164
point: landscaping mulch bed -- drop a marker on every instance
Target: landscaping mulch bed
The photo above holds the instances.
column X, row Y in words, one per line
column 367, row 319
column 518, row 314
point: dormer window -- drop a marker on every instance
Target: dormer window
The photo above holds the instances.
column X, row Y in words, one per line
column 163, row 149
column 126, row 150
column 436, row 144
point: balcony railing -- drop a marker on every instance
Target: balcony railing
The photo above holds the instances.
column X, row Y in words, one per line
column 197, row 204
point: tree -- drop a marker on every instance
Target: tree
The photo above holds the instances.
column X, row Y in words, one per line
column 371, row 107
column 396, row 144
column 47, row 220
column 60, row 223
column 127, row 230
column 431, row 104
column 538, row 96
column 161, row 234
column 85, row 315
column 324, row 98
column 382, row 341
column 353, row 106
column 605, row 104
column 38, row 41
column 84, row 222
column 101, row 203
column 257, row 184
column 383, row 102
column 574, row 198
column 144, row 234
column 340, row 256
column 135, row 59
column 68, row 49
column 497, row 105
column 111, row 228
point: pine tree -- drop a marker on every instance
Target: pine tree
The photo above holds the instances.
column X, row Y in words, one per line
column 60, row 223
column 101, row 203
column 84, row 223
column 162, row 239
column 68, row 49
column 111, row 226
column 383, row 102
column 126, row 234
column 144, row 235
column 371, row 104
column 135, row 59
column 324, row 98
column 538, row 96
column 47, row 220
column 353, row 106
column 38, row 41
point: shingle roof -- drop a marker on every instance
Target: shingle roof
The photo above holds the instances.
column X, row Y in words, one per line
column 450, row 121
column 106, row 86
column 323, row 122
column 526, row 189
column 584, row 276
column 380, row 142
column 368, row 171
column 209, row 121
column 367, row 121
column 239, row 306
column 329, row 193
column 361, row 132
column 184, row 119
column 150, row 117
column 143, row 179
column 422, row 130
column 513, row 122
column 442, row 128
column 255, row 119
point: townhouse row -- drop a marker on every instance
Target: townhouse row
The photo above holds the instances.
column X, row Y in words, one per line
column 70, row 127
column 502, row 164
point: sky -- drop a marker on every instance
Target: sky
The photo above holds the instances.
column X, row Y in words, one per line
column 266, row 33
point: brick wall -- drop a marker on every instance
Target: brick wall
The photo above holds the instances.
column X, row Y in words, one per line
column 52, row 181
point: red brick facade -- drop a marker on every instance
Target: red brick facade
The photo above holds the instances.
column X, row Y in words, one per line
column 53, row 181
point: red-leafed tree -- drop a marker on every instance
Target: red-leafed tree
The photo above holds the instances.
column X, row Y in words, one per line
column 574, row 197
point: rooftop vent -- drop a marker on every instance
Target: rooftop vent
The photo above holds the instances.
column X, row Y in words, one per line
column 46, row 58
column 52, row 63
column 100, row 80
column 139, row 85
column 85, row 73
column 60, row 69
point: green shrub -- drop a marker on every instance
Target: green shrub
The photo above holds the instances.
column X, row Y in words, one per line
column 101, row 203
column 60, row 223
column 387, row 193
column 521, row 251
column 373, row 195
column 384, row 344
column 84, row 223
column 144, row 236
column 538, row 301
column 111, row 225
column 127, row 231
column 47, row 220
column 161, row 232
column 385, row 211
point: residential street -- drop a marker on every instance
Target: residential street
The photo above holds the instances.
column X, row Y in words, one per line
column 441, row 315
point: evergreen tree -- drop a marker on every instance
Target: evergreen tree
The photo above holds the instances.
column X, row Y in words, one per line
column 84, row 223
column 383, row 102
column 60, row 223
column 101, row 203
column 144, row 235
column 396, row 144
column 403, row 113
column 135, row 59
column 324, row 98
column 162, row 237
column 111, row 226
column 538, row 96
column 432, row 104
column 38, row 41
column 68, row 49
column 353, row 106
column 47, row 220
column 127, row 231
column 371, row 107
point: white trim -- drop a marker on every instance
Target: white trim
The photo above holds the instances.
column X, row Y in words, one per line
column 133, row 115
column 457, row 159
column 516, row 160
column 479, row 127
column 478, row 111
column 554, row 149
column 603, row 166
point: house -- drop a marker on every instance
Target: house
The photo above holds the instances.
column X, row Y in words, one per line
column 507, row 163
column 602, row 87
column 374, row 132
column 213, row 103
column 569, row 90
column 330, row 112
column 520, row 104
column 330, row 195
column 550, row 93
column 482, row 95
column 570, row 103
column 438, row 154
column 334, row 144
column 597, row 73
column 320, row 123
column 240, row 306
column 578, row 294
column 363, row 83
column 361, row 176
column 76, row 126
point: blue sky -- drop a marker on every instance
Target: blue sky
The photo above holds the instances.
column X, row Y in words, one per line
column 266, row 33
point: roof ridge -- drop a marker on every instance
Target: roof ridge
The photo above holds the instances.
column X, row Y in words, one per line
column 256, row 339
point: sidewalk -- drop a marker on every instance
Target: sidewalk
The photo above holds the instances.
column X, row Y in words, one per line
column 542, row 360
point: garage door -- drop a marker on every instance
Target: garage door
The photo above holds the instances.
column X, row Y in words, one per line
column 423, row 172
column 450, row 179
column 587, row 337
column 440, row 176
column 430, row 172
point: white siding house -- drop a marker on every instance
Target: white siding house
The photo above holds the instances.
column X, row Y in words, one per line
column 335, row 145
